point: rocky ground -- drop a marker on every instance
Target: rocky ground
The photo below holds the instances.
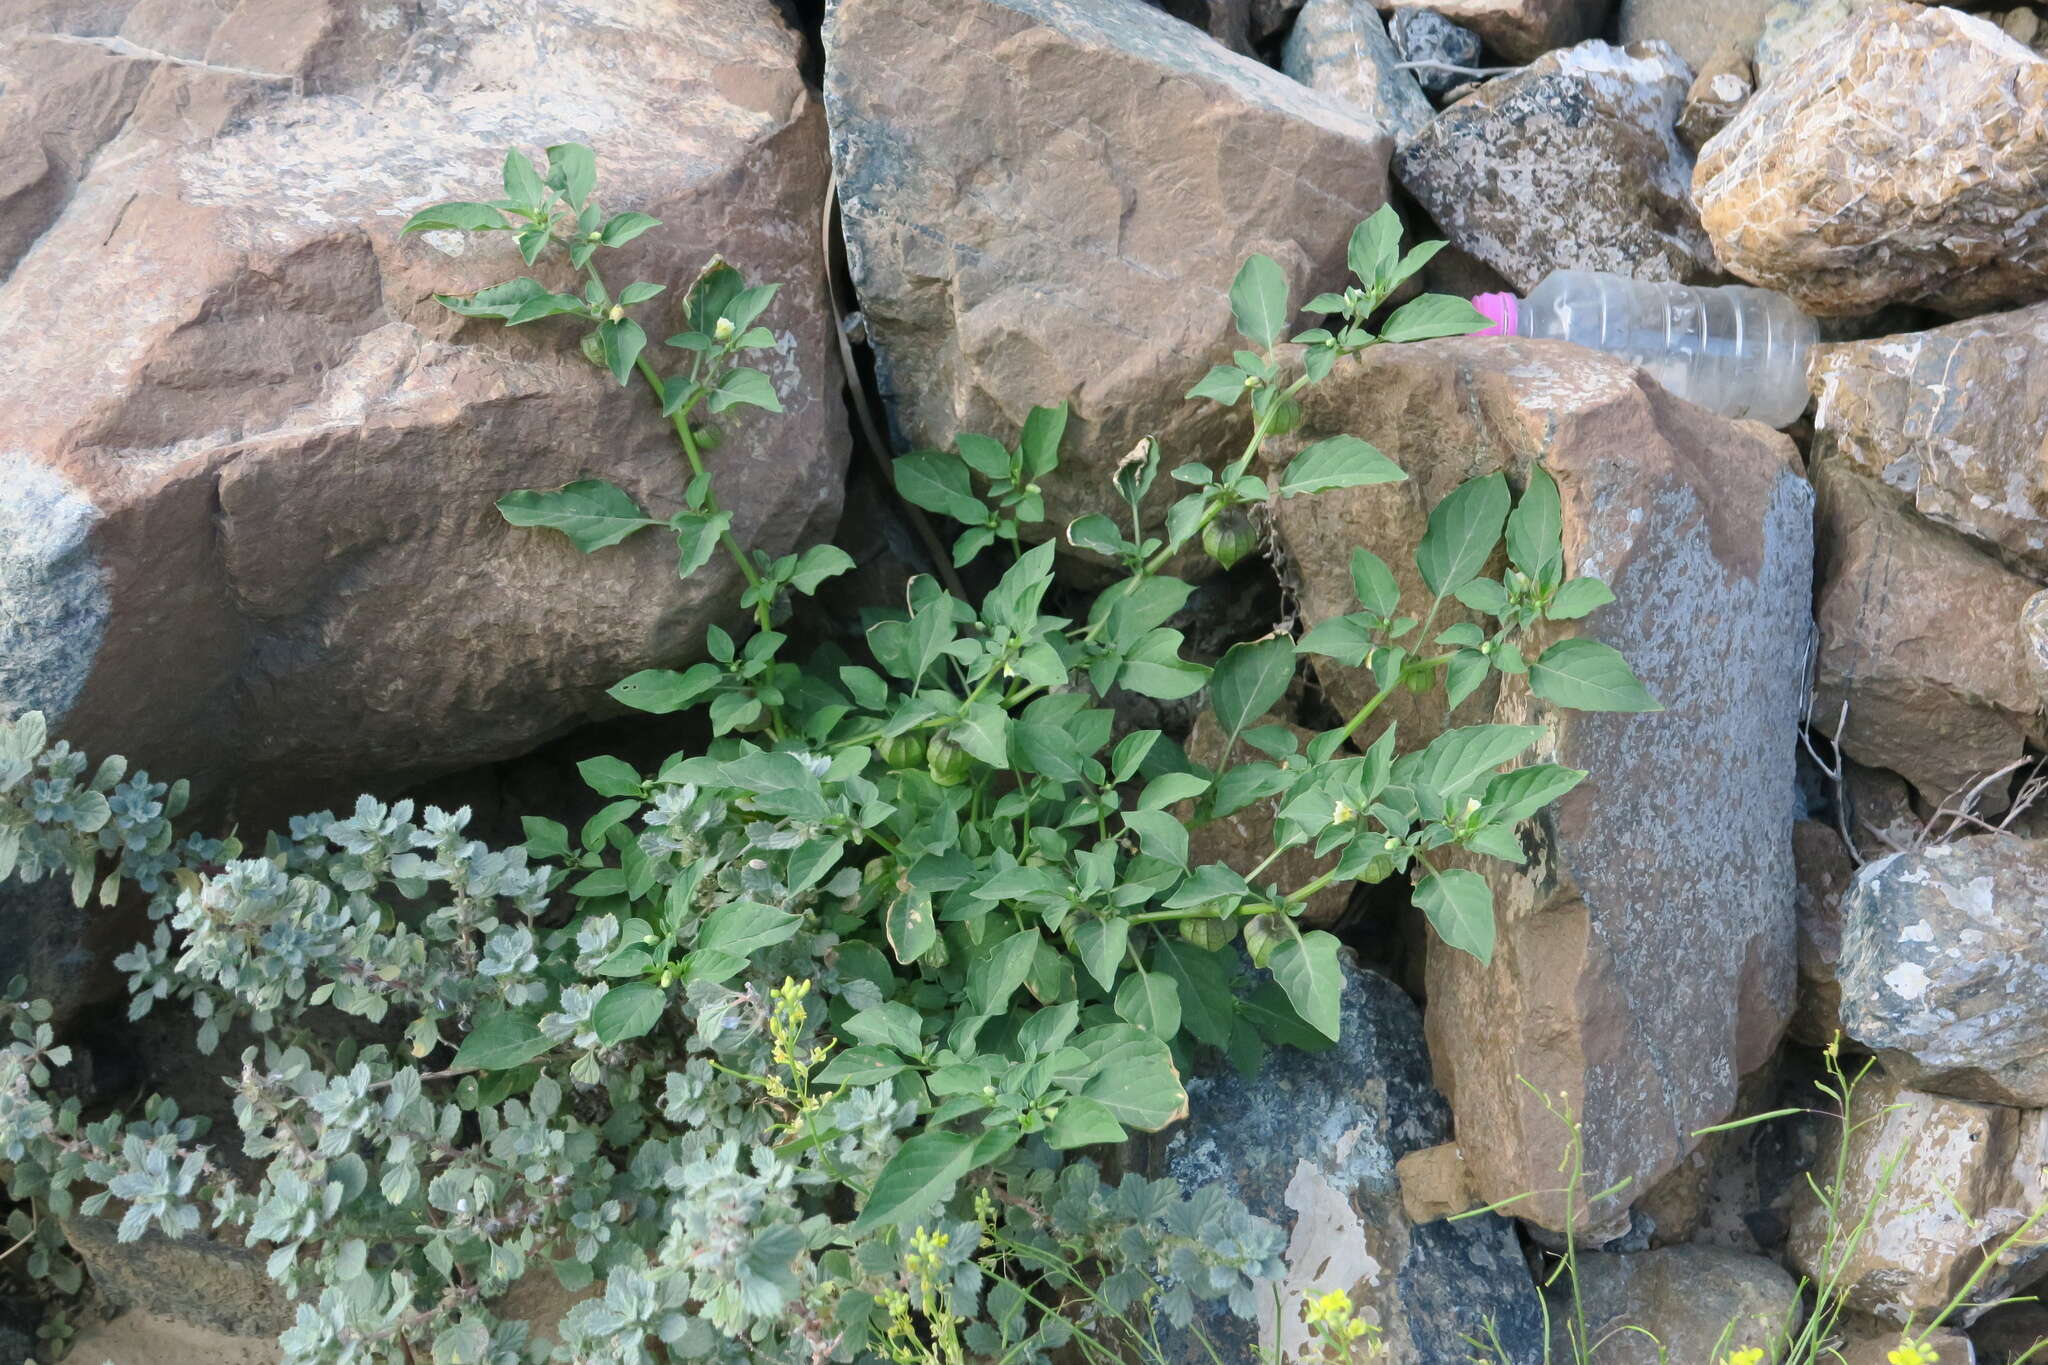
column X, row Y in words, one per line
column 248, row 463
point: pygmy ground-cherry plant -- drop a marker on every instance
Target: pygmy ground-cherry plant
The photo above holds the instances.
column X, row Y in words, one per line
column 798, row 1049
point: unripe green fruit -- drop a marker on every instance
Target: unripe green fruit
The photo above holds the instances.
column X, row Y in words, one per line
column 1229, row 538
column 1378, row 870
column 948, row 762
column 903, row 751
column 1211, row 934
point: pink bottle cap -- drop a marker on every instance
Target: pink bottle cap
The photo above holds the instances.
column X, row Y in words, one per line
column 1503, row 309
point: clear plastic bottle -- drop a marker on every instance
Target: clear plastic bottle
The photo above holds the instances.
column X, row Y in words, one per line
column 1739, row 351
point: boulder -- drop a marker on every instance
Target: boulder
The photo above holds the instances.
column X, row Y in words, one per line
column 1941, row 1183
column 1920, row 637
column 1871, row 1345
column 1437, row 45
column 1341, row 47
column 1695, row 31
column 1953, row 418
column 1701, row 526
column 1571, row 163
column 1944, row 972
column 1312, row 1144
column 1724, row 82
column 1825, row 870
column 213, row 1286
column 1521, row 30
column 1897, row 160
column 1698, row 1302
column 1244, row 839
column 246, row 522
column 1046, row 201
column 1790, row 27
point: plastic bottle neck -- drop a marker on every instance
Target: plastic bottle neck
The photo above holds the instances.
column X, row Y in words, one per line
column 1503, row 309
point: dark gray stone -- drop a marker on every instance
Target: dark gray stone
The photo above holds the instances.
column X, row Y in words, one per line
column 1423, row 35
column 1944, row 969
column 1341, row 47
column 1311, row 1143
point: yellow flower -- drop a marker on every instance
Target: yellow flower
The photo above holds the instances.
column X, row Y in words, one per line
column 1749, row 1355
column 1913, row 1353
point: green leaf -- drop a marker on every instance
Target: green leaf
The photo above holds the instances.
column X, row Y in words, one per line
column 893, row 1024
column 502, row 1041
column 1586, row 675
column 984, row 731
column 1433, row 315
column 572, row 169
column 624, row 227
column 608, row 776
column 909, row 924
column 522, row 181
column 1463, row 529
column 743, row 928
column 455, row 217
column 1258, row 300
column 1374, row 583
column 622, row 342
column 924, row 1172
column 1099, row 943
column 1521, row 792
column 1098, row 533
column 638, row 293
column 998, row 971
column 1463, row 675
column 1247, row 682
column 1306, row 968
column 1460, row 908
column 1576, row 598
column 939, row 483
column 1154, row 668
column 1224, row 383
column 1456, row 759
column 628, row 1011
column 984, row 455
column 817, row 564
column 1375, row 247
column 1134, row 1078
column 1418, row 256
column 1347, row 639
column 862, row 1066
column 1337, row 462
column 1151, row 1001
column 697, row 536
column 1536, row 527
column 742, row 385
column 1082, row 1122
column 1208, row 1004
column 711, row 296
column 1159, row 835
column 1039, row 444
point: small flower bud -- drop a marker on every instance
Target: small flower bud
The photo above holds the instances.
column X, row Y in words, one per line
column 618, row 312
column 722, row 330
column 593, row 236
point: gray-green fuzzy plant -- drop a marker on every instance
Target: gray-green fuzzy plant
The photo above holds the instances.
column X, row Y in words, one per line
column 793, row 1051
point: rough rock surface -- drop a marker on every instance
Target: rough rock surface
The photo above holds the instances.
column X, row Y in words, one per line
column 1920, row 636
column 1875, row 1347
column 214, row 1286
column 2034, row 643
column 1423, row 35
column 1944, row 969
column 247, row 480
column 1521, row 30
column 1724, row 82
column 1966, row 1176
column 1685, row 1296
column 1244, row 838
column 1676, row 509
column 1901, row 158
column 1952, row 417
column 2004, row 1335
column 1571, row 163
column 1694, row 30
column 1825, row 872
column 1341, row 47
column 1047, row 201
column 1791, row 27
column 1312, row 1144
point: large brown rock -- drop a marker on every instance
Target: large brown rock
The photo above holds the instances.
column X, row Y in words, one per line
column 246, row 530
column 1901, row 158
column 1920, row 637
column 1571, row 163
column 1941, row 1184
column 1694, row 30
column 1047, row 201
column 1697, row 1302
column 1521, row 30
column 1678, row 848
column 1953, row 417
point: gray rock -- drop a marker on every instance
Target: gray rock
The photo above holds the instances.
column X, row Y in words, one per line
column 2034, row 642
column 1944, row 968
column 1047, row 201
column 209, row 1284
column 1423, row 35
column 1312, row 1143
column 1341, row 47
column 1699, row 1302
column 1520, row 30
column 1571, row 163
column 1694, row 28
